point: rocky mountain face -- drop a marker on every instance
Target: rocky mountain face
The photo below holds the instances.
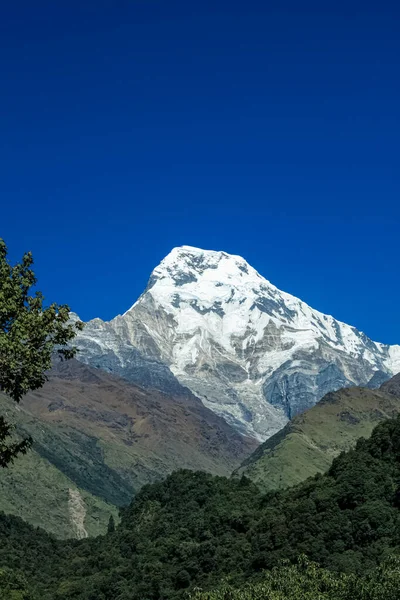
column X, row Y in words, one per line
column 309, row 442
column 253, row 354
column 98, row 439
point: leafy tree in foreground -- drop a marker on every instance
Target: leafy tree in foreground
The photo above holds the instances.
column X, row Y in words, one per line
column 307, row 581
column 9, row 450
column 29, row 334
column 13, row 586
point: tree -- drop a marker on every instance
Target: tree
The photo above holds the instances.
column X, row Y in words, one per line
column 111, row 525
column 13, row 586
column 29, row 335
column 9, row 450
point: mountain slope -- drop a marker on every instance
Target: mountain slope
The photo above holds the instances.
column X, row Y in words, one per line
column 392, row 386
column 104, row 438
column 310, row 441
column 255, row 355
column 38, row 491
column 195, row 530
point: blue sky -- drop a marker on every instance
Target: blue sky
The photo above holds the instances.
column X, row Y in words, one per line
column 266, row 129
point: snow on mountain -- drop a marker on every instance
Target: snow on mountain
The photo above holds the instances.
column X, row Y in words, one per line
column 253, row 354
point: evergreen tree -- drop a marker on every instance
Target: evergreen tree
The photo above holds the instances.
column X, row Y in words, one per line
column 111, row 525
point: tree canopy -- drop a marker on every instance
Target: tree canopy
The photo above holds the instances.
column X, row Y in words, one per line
column 196, row 531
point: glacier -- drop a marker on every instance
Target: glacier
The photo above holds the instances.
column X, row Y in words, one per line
column 254, row 354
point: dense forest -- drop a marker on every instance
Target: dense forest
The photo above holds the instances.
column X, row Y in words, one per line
column 194, row 530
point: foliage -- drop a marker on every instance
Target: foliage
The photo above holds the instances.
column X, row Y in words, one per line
column 111, row 525
column 307, row 581
column 10, row 449
column 13, row 586
column 193, row 530
column 29, row 334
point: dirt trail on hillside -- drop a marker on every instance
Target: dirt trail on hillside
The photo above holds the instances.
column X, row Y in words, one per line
column 77, row 511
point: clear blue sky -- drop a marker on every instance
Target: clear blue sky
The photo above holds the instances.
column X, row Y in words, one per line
column 266, row 129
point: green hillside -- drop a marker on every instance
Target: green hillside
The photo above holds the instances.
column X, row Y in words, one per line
column 194, row 530
column 97, row 441
column 310, row 441
column 35, row 488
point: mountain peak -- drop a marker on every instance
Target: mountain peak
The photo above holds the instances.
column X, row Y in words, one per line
column 197, row 259
column 186, row 260
column 254, row 354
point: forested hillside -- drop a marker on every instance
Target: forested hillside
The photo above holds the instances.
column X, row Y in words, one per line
column 198, row 530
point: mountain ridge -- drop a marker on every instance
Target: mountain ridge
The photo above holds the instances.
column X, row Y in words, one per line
column 310, row 441
column 253, row 354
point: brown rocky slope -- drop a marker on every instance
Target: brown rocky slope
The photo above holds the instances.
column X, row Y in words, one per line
column 104, row 437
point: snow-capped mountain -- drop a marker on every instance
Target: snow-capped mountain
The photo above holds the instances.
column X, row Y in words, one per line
column 253, row 354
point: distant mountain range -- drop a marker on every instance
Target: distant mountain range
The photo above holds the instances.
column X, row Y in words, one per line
column 253, row 354
column 97, row 440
